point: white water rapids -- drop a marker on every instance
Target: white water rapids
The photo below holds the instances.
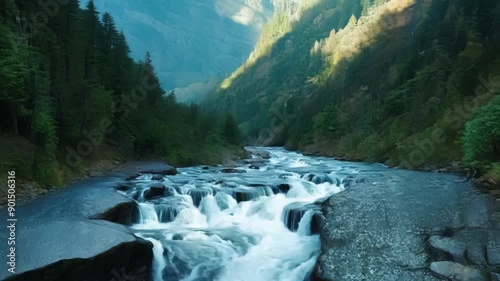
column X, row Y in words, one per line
column 224, row 240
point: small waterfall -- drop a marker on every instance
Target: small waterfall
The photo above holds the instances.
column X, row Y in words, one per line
column 159, row 262
column 148, row 213
column 305, row 223
column 166, row 213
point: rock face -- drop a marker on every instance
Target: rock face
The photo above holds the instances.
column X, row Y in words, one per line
column 73, row 234
column 95, row 250
column 456, row 271
column 448, row 246
column 393, row 226
column 193, row 43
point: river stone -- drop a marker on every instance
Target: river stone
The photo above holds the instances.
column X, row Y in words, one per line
column 457, row 271
column 378, row 229
column 262, row 154
column 493, row 253
column 318, row 178
column 495, row 276
column 81, row 250
column 232, row 171
column 154, row 191
column 124, row 213
column 449, row 246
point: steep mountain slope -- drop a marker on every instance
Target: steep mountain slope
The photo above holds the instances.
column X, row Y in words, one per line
column 192, row 42
column 384, row 80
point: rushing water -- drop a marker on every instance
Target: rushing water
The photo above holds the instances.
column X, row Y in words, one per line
column 257, row 222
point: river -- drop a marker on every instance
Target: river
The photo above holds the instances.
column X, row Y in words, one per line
column 249, row 223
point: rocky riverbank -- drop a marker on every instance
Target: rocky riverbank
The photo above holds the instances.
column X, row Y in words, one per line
column 73, row 234
column 412, row 226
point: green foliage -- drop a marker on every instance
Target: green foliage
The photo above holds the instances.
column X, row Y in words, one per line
column 481, row 138
column 402, row 76
column 231, row 131
column 72, row 82
column 326, row 123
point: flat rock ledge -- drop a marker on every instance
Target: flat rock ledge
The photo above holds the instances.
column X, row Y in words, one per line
column 407, row 225
column 80, row 233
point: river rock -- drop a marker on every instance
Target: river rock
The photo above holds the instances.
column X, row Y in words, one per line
column 457, row 271
column 455, row 249
column 495, row 276
column 125, row 213
column 493, row 253
column 232, row 171
column 81, row 250
column 282, row 188
column 154, row 191
column 318, row 178
column 262, row 154
column 378, row 229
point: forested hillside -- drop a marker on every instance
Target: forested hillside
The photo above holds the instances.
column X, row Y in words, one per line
column 70, row 93
column 406, row 82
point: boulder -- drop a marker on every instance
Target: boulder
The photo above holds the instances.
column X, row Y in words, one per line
column 495, row 276
column 318, row 178
column 457, row 271
column 449, row 247
column 493, row 253
column 124, row 187
column 378, row 229
column 124, row 213
column 262, row 154
column 232, row 171
column 282, row 188
column 154, row 191
column 81, row 251
column 165, row 172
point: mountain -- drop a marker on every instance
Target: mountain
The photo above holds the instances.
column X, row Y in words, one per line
column 194, row 43
column 404, row 82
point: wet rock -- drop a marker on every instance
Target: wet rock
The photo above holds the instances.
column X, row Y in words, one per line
column 476, row 254
column 282, row 188
column 242, row 195
column 457, row 271
column 348, row 181
column 493, row 253
column 154, row 191
column 170, row 171
column 495, row 276
column 124, row 187
column 132, row 177
column 232, row 171
column 205, row 168
column 318, row 178
column 124, row 213
column 262, row 154
column 257, row 166
column 377, row 230
column 157, row 177
column 81, row 256
column 255, row 161
column 177, row 237
column 448, row 246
